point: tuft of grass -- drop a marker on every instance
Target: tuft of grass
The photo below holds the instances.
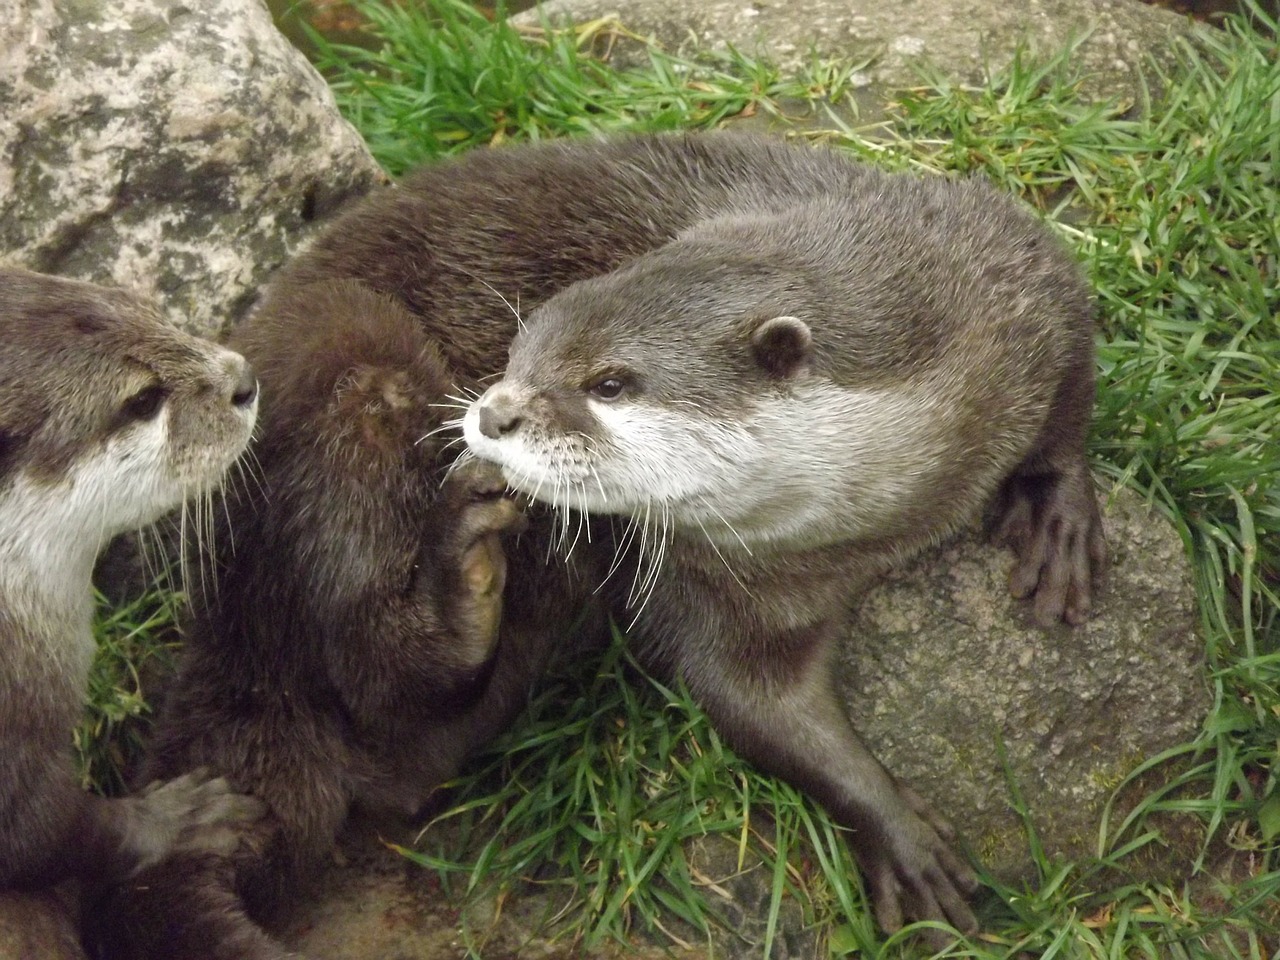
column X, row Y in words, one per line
column 600, row 790
column 136, row 641
column 447, row 78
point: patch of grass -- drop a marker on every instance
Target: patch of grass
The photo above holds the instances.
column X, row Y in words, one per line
column 447, row 78
column 135, row 642
column 600, row 789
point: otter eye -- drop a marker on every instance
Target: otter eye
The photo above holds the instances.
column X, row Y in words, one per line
column 610, row 388
column 144, row 404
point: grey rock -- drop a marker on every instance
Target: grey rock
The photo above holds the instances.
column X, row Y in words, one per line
column 181, row 149
column 945, row 671
column 964, row 39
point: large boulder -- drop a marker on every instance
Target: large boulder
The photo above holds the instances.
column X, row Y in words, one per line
column 181, row 149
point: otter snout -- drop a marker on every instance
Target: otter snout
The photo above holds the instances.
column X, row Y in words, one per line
column 498, row 413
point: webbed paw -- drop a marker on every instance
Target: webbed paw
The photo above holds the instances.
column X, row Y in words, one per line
column 485, row 515
column 1052, row 525
column 191, row 813
column 913, row 874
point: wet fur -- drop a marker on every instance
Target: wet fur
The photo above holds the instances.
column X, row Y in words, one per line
column 331, row 668
column 81, row 460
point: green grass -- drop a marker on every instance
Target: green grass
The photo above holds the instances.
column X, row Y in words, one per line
column 136, row 641
column 448, row 79
column 1174, row 209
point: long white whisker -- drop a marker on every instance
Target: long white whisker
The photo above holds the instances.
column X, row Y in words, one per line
column 728, row 526
column 732, row 572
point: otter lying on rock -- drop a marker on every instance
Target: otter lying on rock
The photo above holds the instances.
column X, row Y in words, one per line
column 787, row 370
column 109, row 418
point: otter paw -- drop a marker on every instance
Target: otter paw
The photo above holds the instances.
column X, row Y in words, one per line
column 191, row 813
column 483, row 516
column 914, row 875
column 1052, row 525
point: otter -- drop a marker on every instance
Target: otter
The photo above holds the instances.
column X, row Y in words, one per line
column 786, row 402
column 336, row 666
column 109, row 418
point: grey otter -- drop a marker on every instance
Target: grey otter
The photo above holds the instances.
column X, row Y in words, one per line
column 108, row 419
column 330, row 669
column 785, row 399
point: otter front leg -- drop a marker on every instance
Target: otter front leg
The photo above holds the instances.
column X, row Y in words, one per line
column 473, row 562
column 1047, row 514
column 1050, row 521
column 794, row 728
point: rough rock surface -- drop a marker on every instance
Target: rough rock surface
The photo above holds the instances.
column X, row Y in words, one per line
column 944, row 671
column 181, row 149
column 963, row 39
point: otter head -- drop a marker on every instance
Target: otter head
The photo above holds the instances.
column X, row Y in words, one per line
column 109, row 417
column 662, row 391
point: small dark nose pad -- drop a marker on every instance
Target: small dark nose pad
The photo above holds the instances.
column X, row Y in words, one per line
column 246, row 389
column 498, row 417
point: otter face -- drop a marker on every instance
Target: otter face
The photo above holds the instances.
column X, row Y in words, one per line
column 108, row 416
column 695, row 388
column 675, row 408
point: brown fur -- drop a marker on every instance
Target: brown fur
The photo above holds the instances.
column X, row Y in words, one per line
column 88, row 376
column 345, row 658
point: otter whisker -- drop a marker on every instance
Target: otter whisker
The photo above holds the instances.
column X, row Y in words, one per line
column 514, row 312
column 465, row 457
column 620, row 546
column 453, row 442
column 578, row 533
column 654, row 567
column 443, row 428
column 723, row 560
column 727, row 525
column 456, row 403
column 250, row 467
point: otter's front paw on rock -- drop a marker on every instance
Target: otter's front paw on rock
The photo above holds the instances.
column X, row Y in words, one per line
column 193, row 812
column 1053, row 527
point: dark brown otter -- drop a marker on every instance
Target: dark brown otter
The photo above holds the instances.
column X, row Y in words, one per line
column 345, row 657
column 109, row 418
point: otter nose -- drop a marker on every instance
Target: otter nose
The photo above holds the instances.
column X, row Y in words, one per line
column 498, row 416
column 245, row 390
column 246, row 387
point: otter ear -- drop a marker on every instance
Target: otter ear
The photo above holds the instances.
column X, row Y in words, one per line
column 783, row 346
